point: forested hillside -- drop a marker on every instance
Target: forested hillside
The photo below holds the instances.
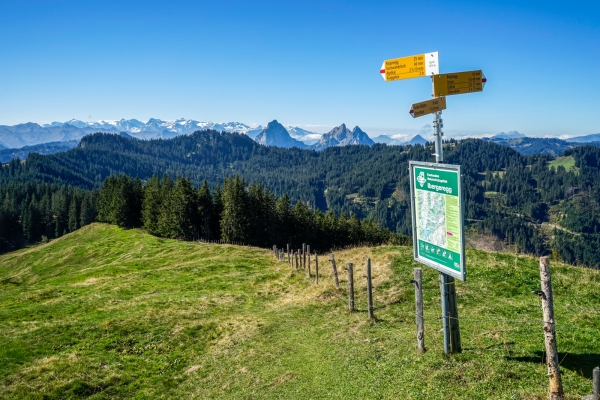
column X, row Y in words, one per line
column 507, row 194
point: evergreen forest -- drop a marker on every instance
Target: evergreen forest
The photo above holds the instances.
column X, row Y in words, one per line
column 538, row 204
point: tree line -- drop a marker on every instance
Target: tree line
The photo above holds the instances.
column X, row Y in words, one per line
column 232, row 212
column 506, row 193
column 33, row 212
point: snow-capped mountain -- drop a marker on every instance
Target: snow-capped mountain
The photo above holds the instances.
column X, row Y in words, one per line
column 303, row 135
column 342, row 136
column 155, row 128
column 30, row 134
column 275, row 134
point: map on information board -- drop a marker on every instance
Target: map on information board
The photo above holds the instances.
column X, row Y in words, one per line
column 437, row 217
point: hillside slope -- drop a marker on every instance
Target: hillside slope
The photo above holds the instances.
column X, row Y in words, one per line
column 110, row 313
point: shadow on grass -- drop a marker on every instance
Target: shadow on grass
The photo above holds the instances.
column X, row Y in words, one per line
column 583, row 364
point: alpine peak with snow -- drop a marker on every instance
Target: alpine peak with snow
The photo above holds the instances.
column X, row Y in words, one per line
column 274, row 134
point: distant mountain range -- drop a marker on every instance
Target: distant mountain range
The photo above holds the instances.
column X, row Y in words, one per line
column 47, row 138
column 508, row 135
column 276, row 134
column 552, row 146
column 418, row 139
column 22, row 139
column 44, row 148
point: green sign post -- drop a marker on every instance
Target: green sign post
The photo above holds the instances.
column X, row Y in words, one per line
column 437, row 212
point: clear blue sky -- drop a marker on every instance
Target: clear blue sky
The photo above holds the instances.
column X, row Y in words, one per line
column 302, row 62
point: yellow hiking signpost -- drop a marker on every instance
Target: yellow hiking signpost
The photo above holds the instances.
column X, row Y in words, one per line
column 458, row 83
column 417, row 66
column 449, row 261
column 428, row 107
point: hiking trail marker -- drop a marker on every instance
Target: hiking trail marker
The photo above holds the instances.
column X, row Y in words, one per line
column 417, row 66
column 436, row 195
column 437, row 216
column 428, row 107
column 458, row 83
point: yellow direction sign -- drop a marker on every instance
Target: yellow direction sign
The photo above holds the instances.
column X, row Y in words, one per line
column 428, row 107
column 416, row 66
column 458, row 83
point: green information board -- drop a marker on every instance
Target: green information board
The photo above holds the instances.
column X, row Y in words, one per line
column 437, row 214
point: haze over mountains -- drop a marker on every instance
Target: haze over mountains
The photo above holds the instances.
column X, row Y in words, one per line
column 273, row 134
column 19, row 140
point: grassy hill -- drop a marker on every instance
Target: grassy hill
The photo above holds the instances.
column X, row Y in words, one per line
column 108, row 313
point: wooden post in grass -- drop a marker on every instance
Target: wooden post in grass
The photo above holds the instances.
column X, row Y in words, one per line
column 418, row 281
column 308, row 258
column 288, row 253
column 556, row 389
column 596, row 385
column 370, row 289
column 596, row 374
column 335, row 274
column 303, row 255
column 350, row 286
column 296, row 258
column 317, row 268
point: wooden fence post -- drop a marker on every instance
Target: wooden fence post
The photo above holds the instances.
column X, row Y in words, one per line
column 596, row 384
column 418, row 281
column 317, row 268
column 288, row 253
column 350, row 286
column 308, row 258
column 556, row 389
column 596, row 379
column 296, row 256
column 303, row 255
column 335, row 274
column 370, row 289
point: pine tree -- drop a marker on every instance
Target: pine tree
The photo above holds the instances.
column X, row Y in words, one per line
column 151, row 206
column 205, row 211
column 179, row 215
column 234, row 219
column 88, row 209
column 73, row 215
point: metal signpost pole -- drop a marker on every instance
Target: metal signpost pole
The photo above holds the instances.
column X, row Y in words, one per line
column 441, row 248
column 439, row 158
column 449, row 309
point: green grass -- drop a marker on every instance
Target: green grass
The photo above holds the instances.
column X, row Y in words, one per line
column 568, row 162
column 105, row 313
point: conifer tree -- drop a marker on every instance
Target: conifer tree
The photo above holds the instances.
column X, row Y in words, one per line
column 205, row 211
column 151, row 207
column 234, row 218
column 73, row 221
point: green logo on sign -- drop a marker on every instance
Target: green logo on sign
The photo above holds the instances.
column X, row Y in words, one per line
column 421, row 178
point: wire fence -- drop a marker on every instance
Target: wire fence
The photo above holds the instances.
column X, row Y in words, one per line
column 469, row 324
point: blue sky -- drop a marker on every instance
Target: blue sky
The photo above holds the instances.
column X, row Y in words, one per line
column 308, row 63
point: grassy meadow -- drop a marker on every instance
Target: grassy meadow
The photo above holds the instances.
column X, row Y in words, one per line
column 106, row 313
